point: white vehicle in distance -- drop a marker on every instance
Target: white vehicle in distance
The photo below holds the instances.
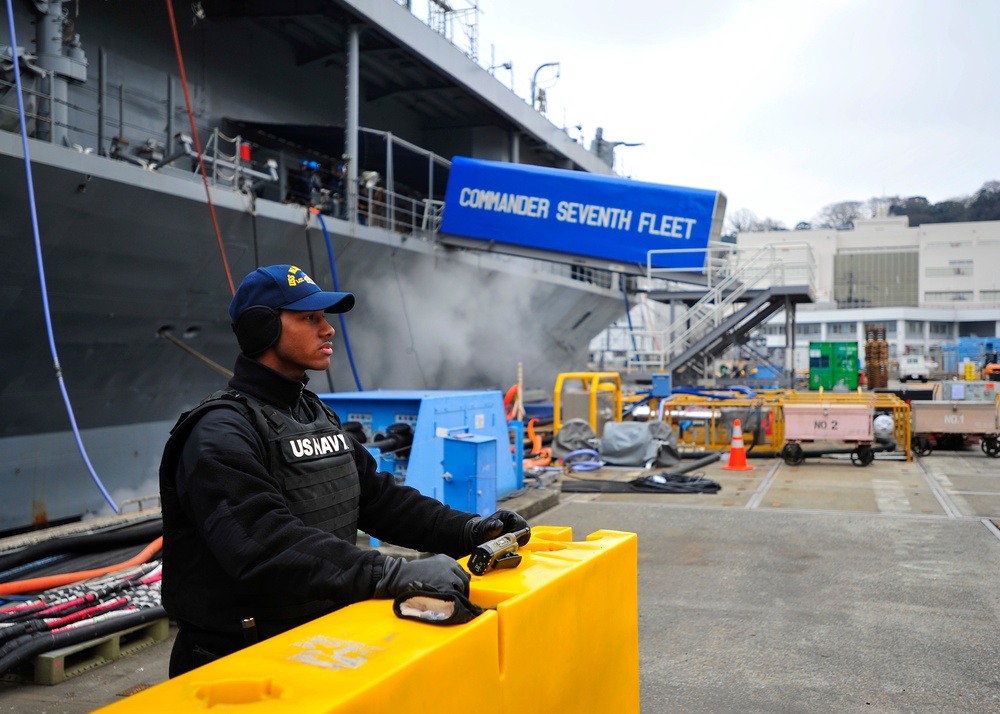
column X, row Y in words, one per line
column 913, row 367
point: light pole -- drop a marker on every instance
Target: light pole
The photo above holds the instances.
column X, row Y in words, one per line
column 534, row 78
column 506, row 65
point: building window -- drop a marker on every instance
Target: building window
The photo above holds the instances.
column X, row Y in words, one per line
column 941, row 329
column 842, row 330
column 948, row 245
column 801, row 329
column 914, row 328
column 888, row 328
column 876, row 279
column 948, row 296
column 951, row 271
column 985, row 328
column 992, row 296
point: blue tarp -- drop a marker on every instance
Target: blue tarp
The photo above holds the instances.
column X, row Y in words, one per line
column 576, row 213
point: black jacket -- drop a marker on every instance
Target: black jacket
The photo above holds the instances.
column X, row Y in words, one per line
column 233, row 549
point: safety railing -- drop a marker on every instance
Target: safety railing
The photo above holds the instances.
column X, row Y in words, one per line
column 381, row 208
column 135, row 125
column 730, row 273
column 715, row 263
column 131, row 128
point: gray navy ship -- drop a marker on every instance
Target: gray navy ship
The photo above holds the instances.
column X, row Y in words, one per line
column 327, row 130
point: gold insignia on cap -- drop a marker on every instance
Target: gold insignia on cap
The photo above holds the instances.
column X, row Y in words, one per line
column 297, row 276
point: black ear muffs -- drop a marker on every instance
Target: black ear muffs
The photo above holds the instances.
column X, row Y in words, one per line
column 257, row 329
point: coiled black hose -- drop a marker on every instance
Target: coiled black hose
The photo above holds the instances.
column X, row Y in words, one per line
column 28, row 646
column 91, row 543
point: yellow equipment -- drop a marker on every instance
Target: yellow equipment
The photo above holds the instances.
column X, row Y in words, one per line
column 561, row 639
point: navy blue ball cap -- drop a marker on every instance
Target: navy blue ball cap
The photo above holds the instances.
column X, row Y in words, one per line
column 285, row 287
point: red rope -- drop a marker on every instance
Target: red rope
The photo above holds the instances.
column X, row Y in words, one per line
column 54, row 609
column 87, row 613
column 197, row 146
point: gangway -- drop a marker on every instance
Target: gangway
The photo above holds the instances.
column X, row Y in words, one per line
column 743, row 290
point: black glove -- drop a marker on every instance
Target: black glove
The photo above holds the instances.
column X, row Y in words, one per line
column 438, row 572
column 480, row 530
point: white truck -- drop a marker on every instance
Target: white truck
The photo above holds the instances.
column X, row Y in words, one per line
column 914, row 367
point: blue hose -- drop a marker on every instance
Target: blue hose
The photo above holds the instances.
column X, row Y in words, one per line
column 646, row 397
column 628, row 314
column 41, row 265
column 743, row 392
column 336, row 286
column 578, row 460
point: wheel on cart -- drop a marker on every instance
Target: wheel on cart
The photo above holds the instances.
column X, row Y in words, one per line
column 862, row 455
column 921, row 446
column 991, row 446
column 793, row 454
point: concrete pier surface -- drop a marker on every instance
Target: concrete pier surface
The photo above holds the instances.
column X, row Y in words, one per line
column 823, row 587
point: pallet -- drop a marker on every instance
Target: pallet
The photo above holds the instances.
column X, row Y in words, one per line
column 62, row 664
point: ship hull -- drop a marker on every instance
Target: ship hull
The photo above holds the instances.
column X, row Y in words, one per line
column 130, row 255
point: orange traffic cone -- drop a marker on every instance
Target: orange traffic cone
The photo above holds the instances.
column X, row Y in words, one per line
column 737, row 452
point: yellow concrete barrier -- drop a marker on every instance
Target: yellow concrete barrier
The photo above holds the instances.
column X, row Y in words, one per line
column 564, row 638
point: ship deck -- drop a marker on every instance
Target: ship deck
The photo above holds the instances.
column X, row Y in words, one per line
column 823, row 587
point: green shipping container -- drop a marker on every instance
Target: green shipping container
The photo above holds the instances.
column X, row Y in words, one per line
column 832, row 364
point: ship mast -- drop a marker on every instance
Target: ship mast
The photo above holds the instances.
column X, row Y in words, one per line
column 61, row 55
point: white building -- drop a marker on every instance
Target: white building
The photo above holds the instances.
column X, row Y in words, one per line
column 927, row 286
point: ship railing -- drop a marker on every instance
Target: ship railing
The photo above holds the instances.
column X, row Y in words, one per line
column 400, row 213
column 442, row 17
column 231, row 161
column 432, row 184
column 136, row 126
column 34, row 100
column 227, row 157
column 433, row 211
column 99, row 119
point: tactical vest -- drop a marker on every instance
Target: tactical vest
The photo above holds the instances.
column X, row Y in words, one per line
column 313, row 462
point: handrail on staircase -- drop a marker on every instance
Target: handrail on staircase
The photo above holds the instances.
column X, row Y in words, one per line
column 728, row 276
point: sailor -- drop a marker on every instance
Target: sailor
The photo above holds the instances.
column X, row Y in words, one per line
column 263, row 492
column 299, row 183
column 339, row 190
column 319, row 195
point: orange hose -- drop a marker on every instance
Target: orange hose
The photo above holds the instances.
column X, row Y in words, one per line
column 535, row 439
column 507, row 399
column 544, row 459
column 54, row 581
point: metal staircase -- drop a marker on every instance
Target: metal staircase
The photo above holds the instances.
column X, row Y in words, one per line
column 743, row 289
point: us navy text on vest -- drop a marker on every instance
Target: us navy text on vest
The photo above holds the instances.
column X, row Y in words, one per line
column 313, row 447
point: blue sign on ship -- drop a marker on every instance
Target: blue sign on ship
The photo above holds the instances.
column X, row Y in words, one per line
column 577, row 213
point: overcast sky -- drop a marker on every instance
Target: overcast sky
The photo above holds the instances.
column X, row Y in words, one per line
column 783, row 105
